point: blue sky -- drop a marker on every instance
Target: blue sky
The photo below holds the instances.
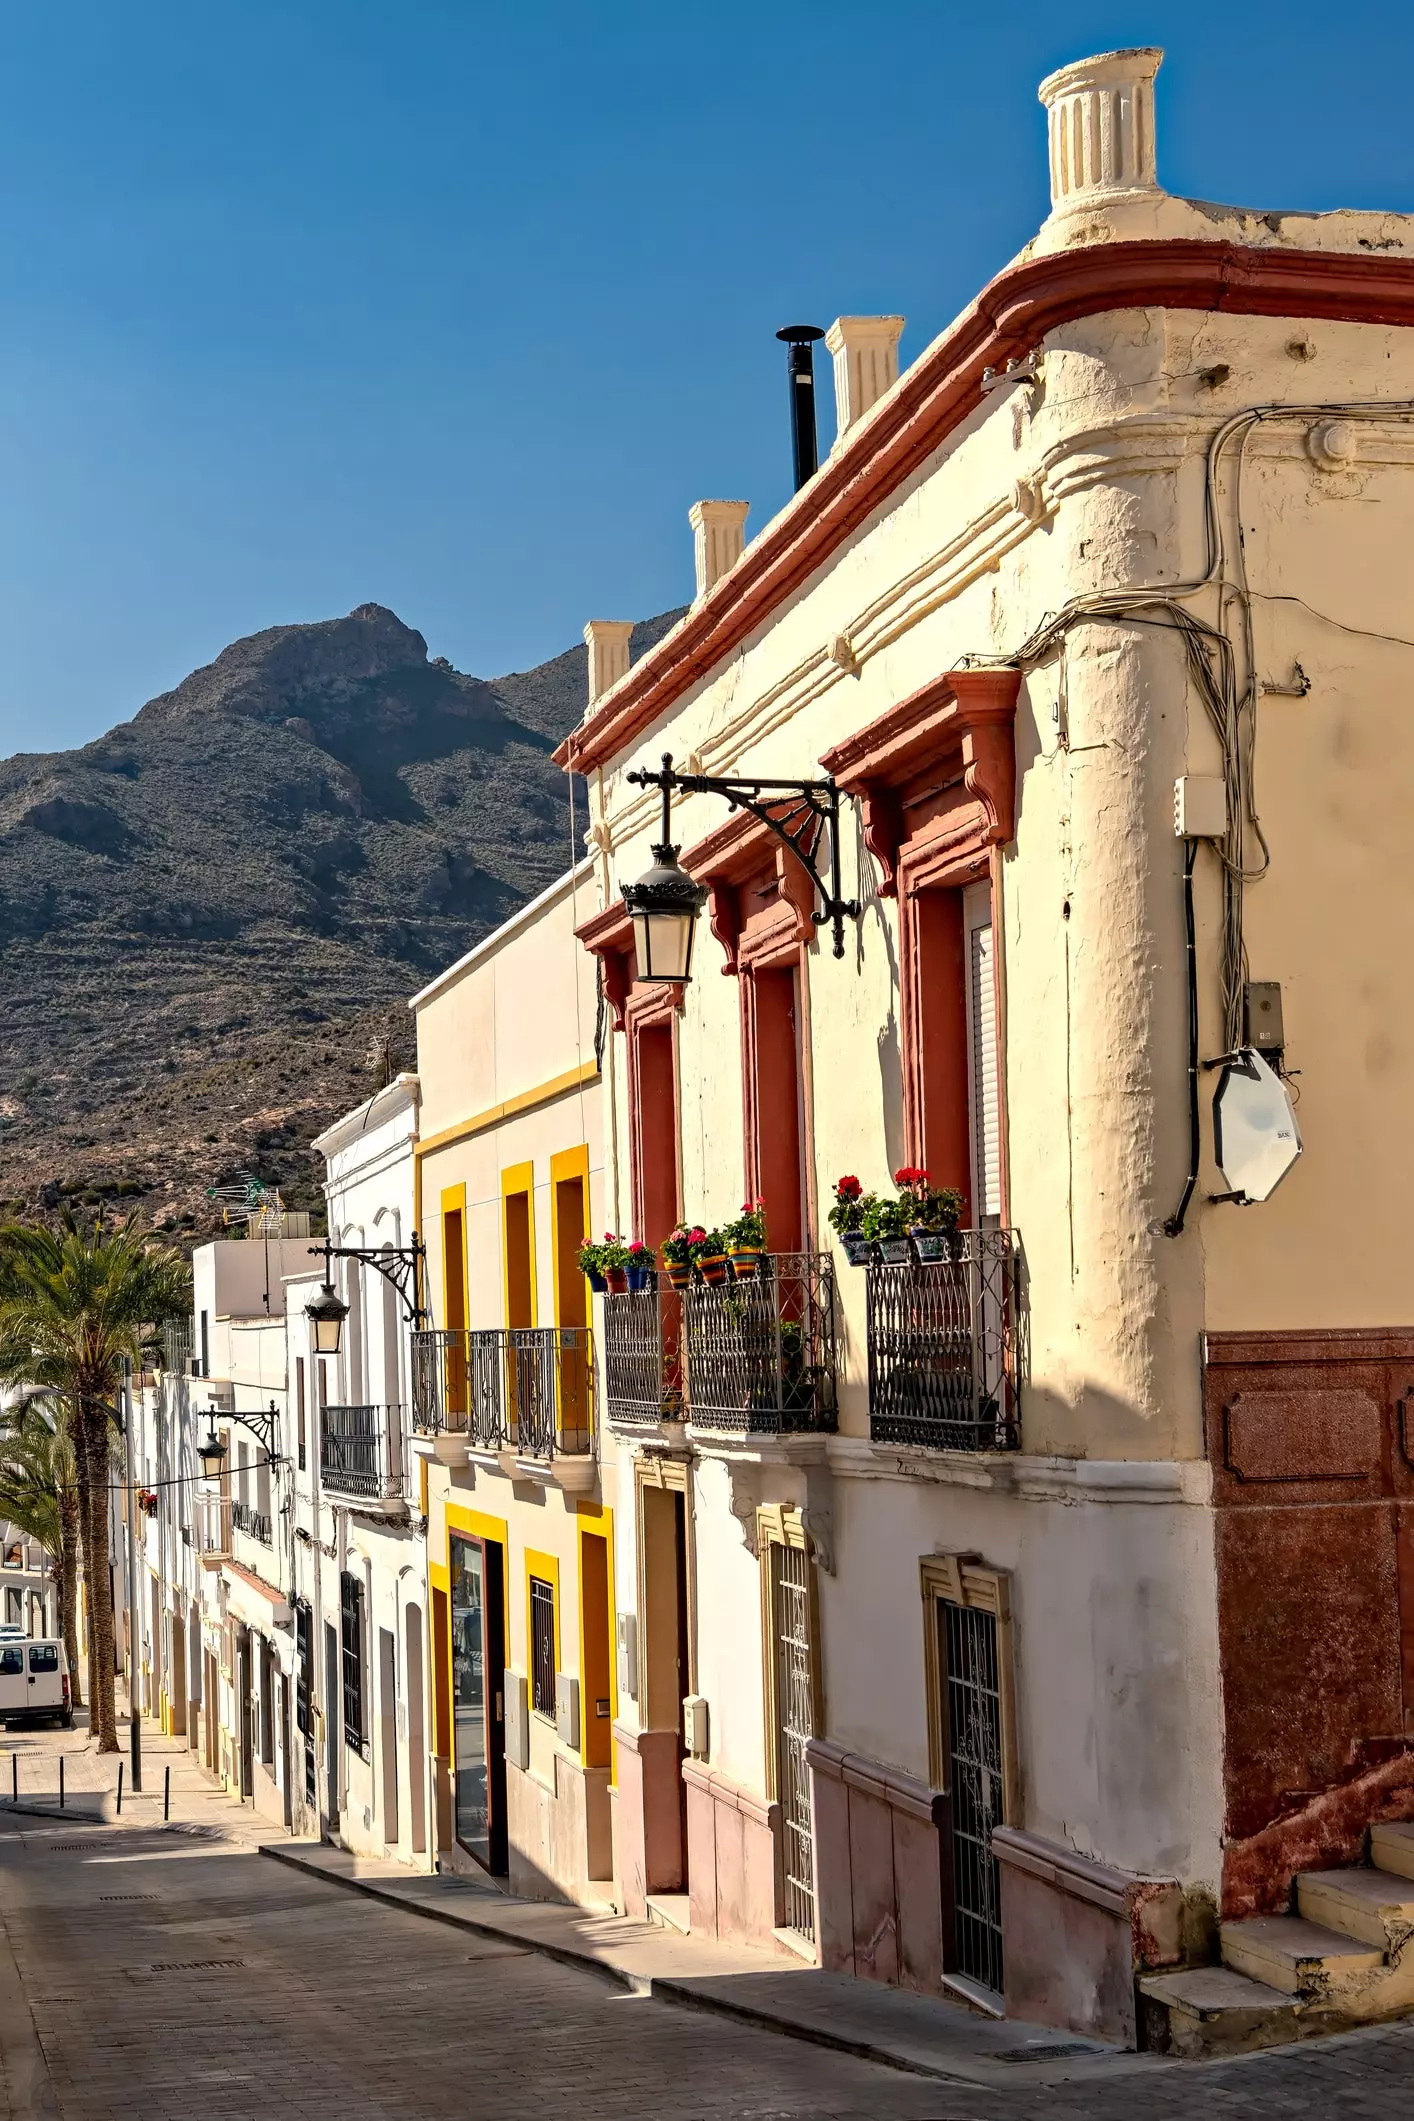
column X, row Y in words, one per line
column 459, row 306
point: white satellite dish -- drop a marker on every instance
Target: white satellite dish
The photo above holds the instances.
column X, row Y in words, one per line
column 1254, row 1125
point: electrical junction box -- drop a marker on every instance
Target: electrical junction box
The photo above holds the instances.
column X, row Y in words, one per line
column 694, row 1725
column 567, row 1710
column 517, row 1720
column 628, row 1654
column 1261, row 1009
column 1200, row 807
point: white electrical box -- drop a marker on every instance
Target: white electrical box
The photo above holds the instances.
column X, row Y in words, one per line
column 628, row 1655
column 1200, row 807
column 694, row 1725
column 567, row 1710
column 517, row 1720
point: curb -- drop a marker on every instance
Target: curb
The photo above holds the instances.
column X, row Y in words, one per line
column 52, row 1811
column 660, row 1988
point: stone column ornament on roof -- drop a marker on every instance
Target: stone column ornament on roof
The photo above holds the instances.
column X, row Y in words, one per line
column 1100, row 117
column 607, row 642
column 718, row 539
column 866, row 365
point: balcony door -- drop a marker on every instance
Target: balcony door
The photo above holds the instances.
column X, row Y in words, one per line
column 983, row 1100
column 775, row 1097
column 653, row 1107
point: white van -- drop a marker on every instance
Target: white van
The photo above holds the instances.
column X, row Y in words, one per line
column 34, row 1683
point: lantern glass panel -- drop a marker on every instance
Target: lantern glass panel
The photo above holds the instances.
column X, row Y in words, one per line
column 663, row 944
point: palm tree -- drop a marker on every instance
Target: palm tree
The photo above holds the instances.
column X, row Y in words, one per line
column 74, row 1303
column 39, row 1495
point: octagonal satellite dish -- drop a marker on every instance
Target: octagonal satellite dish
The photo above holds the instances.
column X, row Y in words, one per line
column 1254, row 1126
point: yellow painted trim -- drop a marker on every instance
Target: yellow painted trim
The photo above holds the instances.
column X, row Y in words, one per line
column 519, row 1178
column 453, row 1202
column 567, row 1163
column 547, row 1568
column 598, row 1520
column 511, row 1108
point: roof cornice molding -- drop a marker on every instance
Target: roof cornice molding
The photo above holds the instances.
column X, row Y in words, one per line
column 1010, row 316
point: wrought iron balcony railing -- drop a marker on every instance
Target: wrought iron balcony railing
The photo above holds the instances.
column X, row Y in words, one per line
column 254, row 1523
column 360, row 1451
column 753, row 1357
column 518, row 1388
column 946, row 1348
column 213, row 1524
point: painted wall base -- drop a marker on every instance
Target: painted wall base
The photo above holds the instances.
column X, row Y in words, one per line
column 560, row 1839
column 735, row 1884
column 878, row 1882
column 647, row 1818
column 1077, row 1934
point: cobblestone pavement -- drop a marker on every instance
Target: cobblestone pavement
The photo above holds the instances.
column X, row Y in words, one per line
column 149, row 1975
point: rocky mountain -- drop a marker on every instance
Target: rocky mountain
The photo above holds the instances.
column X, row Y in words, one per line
column 211, row 917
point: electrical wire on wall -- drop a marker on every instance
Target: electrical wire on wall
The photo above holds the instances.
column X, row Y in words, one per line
column 1221, row 657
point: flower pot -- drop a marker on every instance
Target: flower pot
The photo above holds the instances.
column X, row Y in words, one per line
column 858, row 1249
column 931, row 1246
column 617, row 1278
column 679, row 1272
column 596, row 1281
column 745, row 1260
column 896, row 1251
column 639, row 1278
column 712, row 1266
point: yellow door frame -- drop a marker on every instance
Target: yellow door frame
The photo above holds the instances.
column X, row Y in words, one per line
column 518, row 1178
column 598, row 1519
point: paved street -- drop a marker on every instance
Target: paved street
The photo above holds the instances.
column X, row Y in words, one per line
column 149, row 1976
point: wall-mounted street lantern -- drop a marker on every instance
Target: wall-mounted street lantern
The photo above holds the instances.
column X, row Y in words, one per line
column 405, row 1266
column 212, row 1453
column 666, row 901
column 326, row 1314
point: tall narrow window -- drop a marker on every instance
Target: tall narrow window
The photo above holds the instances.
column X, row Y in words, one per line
column 206, row 1344
column 542, row 1646
column 520, row 1291
column 655, row 1131
column 300, row 1413
column 351, row 1654
column 776, row 1169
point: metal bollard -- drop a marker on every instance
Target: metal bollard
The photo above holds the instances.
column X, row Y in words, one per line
column 166, row 1793
column 61, row 1782
column 15, row 1777
column 120, row 1789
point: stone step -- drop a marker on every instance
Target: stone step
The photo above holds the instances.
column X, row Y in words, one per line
column 671, row 1911
column 1214, row 2010
column 1373, row 1906
column 1392, row 1848
column 1301, row 1958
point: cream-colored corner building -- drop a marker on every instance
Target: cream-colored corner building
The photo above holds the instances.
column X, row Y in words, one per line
column 518, row 1484
column 1001, row 1622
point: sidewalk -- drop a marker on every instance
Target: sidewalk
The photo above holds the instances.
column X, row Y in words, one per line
column 924, row 2036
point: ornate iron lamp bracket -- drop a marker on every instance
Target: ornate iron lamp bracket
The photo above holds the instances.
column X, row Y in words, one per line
column 405, row 1266
column 260, row 1421
column 797, row 812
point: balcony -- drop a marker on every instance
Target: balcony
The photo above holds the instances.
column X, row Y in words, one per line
column 527, row 1390
column 747, row 1358
column 254, row 1523
column 213, row 1527
column 360, row 1452
column 945, row 1348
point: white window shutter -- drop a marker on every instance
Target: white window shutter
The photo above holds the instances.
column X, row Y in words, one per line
column 986, row 1130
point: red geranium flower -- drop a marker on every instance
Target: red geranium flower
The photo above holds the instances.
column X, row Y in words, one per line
column 847, row 1188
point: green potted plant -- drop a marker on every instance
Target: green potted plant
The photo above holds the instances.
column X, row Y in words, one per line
column 677, row 1253
column 934, row 1213
column 613, row 1260
column 846, row 1219
column 590, row 1257
column 886, row 1225
column 746, row 1239
column 709, row 1256
column 640, row 1265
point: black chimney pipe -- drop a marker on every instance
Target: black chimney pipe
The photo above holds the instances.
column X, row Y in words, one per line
column 800, row 370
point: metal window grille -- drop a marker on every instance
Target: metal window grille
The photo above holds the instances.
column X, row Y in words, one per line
column 351, row 1652
column 542, row 1646
column 642, row 1356
column 304, row 1641
column 974, row 1713
column 761, row 1352
column 524, row 1388
column 945, row 1348
column 358, row 1450
column 795, row 1726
